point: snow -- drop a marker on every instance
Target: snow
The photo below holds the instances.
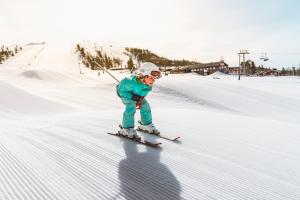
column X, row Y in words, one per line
column 110, row 50
column 239, row 139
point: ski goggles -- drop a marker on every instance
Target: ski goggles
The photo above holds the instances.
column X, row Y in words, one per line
column 156, row 74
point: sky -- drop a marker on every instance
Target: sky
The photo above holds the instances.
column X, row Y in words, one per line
column 200, row 30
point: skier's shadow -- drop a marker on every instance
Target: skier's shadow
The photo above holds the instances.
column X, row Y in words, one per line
column 143, row 176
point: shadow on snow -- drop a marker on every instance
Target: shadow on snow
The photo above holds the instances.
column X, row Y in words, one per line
column 143, row 176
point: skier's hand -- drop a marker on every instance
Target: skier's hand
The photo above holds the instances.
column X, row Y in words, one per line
column 135, row 97
column 139, row 103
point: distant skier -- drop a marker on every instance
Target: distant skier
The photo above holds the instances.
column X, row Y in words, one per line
column 132, row 91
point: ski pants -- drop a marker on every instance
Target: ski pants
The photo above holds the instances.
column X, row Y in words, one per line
column 130, row 109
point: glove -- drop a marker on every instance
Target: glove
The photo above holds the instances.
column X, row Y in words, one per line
column 138, row 99
column 135, row 97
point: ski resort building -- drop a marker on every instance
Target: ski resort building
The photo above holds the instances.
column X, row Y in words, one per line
column 203, row 68
column 180, row 70
column 234, row 70
column 209, row 68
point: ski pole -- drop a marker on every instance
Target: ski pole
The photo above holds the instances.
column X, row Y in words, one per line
column 106, row 71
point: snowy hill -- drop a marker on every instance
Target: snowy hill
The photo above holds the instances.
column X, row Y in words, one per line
column 110, row 51
column 240, row 139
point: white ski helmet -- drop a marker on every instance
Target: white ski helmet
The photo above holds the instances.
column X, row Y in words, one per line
column 148, row 69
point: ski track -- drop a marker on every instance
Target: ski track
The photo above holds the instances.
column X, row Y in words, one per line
column 77, row 155
column 67, row 155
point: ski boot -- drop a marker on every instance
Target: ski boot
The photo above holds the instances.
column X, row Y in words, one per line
column 150, row 128
column 128, row 132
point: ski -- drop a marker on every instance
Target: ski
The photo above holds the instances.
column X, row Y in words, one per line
column 139, row 140
column 175, row 138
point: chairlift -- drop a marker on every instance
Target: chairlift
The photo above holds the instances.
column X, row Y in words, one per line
column 262, row 57
column 266, row 57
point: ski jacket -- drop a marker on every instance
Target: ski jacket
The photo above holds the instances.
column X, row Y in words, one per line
column 131, row 85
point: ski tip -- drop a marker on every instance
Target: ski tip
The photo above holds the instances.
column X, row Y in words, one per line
column 177, row 138
column 156, row 145
column 110, row 133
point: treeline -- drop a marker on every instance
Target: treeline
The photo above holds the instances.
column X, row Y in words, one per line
column 5, row 52
column 101, row 58
column 291, row 71
column 144, row 55
column 252, row 69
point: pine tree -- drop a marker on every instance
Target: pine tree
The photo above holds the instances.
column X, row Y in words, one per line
column 16, row 49
column 98, row 62
column 109, row 63
column 252, row 68
column 130, row 64
column 82, row 52
column 106, row 61
column 99, row 53
column 6, row 53
column 283, row 71
column 294, row 71
column 78, row 48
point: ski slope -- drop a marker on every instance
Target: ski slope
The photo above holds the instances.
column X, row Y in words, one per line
column 240, row 139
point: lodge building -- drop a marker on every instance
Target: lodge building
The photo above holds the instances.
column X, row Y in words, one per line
column 203, row 68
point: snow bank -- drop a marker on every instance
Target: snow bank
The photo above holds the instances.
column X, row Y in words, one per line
column 269, row 98
column 20, row 101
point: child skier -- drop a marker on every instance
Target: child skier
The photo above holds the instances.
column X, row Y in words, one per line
column 132, row 92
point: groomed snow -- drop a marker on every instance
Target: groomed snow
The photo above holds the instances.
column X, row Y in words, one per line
column 240, row 139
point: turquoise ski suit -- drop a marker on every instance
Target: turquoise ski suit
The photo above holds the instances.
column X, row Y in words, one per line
column 128, row 87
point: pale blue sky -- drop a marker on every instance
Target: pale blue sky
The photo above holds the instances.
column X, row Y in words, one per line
column 203, row 30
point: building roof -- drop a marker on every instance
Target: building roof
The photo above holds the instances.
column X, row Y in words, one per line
column 181, row 68
column 234, row 67
column 211, row 64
